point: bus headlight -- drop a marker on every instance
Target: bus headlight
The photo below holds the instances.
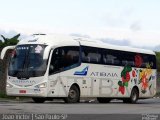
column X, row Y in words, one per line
column 42, row 85
column 9, row 85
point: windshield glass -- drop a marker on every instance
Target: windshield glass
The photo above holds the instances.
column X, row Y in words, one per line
column 27, row 61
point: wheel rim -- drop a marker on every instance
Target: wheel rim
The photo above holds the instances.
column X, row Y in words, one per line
column 72, row 94
column 134, row 96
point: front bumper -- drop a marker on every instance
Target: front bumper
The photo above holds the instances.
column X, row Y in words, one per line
column 30, row 92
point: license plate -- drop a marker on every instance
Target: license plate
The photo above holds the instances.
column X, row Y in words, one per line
column 22, row 91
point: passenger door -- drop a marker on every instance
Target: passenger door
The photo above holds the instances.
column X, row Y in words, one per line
column 53, row 75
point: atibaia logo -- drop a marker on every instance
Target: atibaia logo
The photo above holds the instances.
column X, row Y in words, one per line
column 83, row 72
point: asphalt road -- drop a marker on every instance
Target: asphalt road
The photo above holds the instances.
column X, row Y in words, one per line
column 115, row 110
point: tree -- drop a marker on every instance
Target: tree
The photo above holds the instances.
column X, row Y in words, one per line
column 9, row 41
column 4, row 63
column 158, row 61
column 1, row 43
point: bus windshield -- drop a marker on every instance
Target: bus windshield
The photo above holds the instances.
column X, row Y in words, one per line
column 27, row 61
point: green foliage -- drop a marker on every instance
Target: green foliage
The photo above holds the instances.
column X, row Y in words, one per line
column 125, row 70
column 9, row 41
column 120, row 83
column 158, row 61
column 1, row 43
column 2, row 95
column 125, row 84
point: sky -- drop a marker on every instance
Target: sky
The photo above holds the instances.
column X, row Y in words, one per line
column 123, row 22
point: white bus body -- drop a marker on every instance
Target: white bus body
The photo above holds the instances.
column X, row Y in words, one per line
column 55, row 66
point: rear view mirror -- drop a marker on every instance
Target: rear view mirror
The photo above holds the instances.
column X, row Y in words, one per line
column 4, row 50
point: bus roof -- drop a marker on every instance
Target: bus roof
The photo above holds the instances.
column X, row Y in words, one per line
column 65, row 40
column 116, row 47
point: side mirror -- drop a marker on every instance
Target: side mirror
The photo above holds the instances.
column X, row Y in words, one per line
column 4, row 50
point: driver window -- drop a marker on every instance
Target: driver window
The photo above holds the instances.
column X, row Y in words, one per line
column 64, row 58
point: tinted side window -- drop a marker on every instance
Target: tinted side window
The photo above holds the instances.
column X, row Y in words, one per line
column 127, row 58
column 145, row 60
column 69, row 56
column 111, row 57
column 91, row 55
column 64, row 58
column 149, row 61
column 117, row 57
column 152, row 59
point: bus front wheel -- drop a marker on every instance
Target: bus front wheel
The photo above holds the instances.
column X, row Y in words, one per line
column 38, row 100
column 73, row 95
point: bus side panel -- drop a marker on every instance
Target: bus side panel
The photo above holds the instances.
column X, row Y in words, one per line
column 68, row 79
column 108, row 81
column 53, row 85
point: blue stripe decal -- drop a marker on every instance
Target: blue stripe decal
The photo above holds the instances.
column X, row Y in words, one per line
column 83, row 72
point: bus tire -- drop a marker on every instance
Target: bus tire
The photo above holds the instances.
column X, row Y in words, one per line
column 134, row 95
column 38, row 100
column 103, row 100
column 73, row 95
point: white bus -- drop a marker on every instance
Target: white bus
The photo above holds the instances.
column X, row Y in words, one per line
column 66, row 67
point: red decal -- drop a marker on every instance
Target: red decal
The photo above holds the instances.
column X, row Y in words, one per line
column 138, row 60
